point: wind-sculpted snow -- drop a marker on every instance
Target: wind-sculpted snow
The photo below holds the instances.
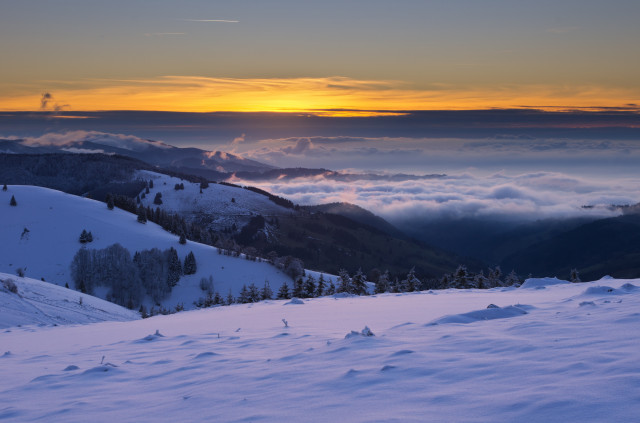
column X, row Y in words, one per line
column 489, row 313
column 542, row 282
column 551, row 361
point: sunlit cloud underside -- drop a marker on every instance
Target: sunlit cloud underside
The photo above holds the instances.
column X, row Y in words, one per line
column 337, row 96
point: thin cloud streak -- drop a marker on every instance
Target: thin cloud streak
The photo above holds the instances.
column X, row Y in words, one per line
column 211, row 20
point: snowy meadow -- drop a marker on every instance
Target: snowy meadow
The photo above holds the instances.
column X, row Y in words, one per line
column 547, row 351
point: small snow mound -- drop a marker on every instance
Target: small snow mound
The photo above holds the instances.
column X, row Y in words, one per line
column 587, row 304
column 542, row 282
column 343, row 295
column 71, row 368
column 492, row 306
column 401, row 352
column 477, row 315
column 629, row 287
column 7, row 354
column 294, row 301
column 364, row 332
column 153, row 337
column 606, row 277
column 103, row 368
column 600, row 290
column 205, row 355
column 387, row 367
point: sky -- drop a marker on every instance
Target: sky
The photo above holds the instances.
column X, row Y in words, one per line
column 480, row 90
column 317, row 56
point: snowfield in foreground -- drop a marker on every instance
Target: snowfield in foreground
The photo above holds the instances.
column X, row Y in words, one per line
column 556, row 353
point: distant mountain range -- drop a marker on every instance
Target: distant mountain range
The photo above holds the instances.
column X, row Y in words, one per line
column 543, row 248
column 212, row 164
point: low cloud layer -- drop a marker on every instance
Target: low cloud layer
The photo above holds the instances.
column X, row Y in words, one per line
column 528, row 196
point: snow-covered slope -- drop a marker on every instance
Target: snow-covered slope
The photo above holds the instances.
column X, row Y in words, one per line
column 43, row 303
column 218, row 207
column 54, row 221
column 552, row 353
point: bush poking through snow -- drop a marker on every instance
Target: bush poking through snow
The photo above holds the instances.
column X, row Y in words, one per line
column 10, row 286
column 364, row 332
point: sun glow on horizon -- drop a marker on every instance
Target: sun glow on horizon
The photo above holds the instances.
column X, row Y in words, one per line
column 330, row 96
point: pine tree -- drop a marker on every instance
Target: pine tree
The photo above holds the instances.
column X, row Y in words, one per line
column 190, row 266
column 217, row 299
column 158, row 198
column 298, row 288
column 230, row 298
column 460, row 278
column 4, row 187
column 574, row 276
column 480, row 281
column 267, row 293
column 142, row 215
column 13, row 201
column 331, row 289
column 244, row 295
column 383, row 283
column 254, row 293
column 83, row 237
column 512, row 279
column 109, row 201
column 412, row 283
column 494, row 277
column 150, row 183
column 321, row 286
column 175, row 267
column 345, row 282
column 283, row 292
column 183, row 239
column 310, row 286
column 358, row 283
column 396, row 286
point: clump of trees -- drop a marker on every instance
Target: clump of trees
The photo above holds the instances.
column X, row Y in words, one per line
column 85, row 237
column 152, row 272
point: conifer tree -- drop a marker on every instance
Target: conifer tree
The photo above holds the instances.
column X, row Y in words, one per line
column 412, row 283
column 158, row 198
column 254, row 293
column 13, row 201
column 150, row 183
column 183, row 239
column 345, row 282
column 217, row 299
column 109, row 201
column 267, row 293
column 574, row 276
column 4, row 187
column 321, row 286
column 331, row 289
column 512, row 279
column 190, row 266
column 283, row 292
column 460, row 278
column 383, row 283
column 244, row 295
column 298, row 288
column 142, row 215
column 358, row 283
column 480, row 281
column 83, row 237
column 175, row 267
column 310, row 286
column 230, row 298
